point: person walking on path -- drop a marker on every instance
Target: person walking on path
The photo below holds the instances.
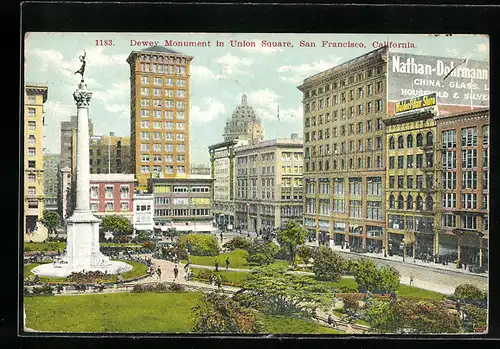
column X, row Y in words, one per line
column 227, row 263
column 217, row 266
column 411, row 280
column 176, row 272
column 158, row 271
column 218, row 281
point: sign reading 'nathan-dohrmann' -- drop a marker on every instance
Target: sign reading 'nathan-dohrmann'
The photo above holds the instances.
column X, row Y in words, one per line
column 416, row 103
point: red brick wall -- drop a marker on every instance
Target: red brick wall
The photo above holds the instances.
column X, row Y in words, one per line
column 116, row 195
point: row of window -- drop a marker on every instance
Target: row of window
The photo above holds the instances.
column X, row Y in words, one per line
column 167, row 114
column 168, row 146
column 345, row 81
column 162, row 59
column 169, row 103
column 419, row 163
column 110, row 206
column 374, row 209
column 109, row 191
column 409, row 141
column 163, row 68
column 326, row 150
column 399, row 203
column 373, row 186
column 466, row 221
column 320, row 104
column 165, row 212
column 469, row 201
column 325, row 134
column 326, row 167
column 313, row 121
column 158, row 169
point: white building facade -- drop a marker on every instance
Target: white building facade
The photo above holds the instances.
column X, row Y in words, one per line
column 143, row 212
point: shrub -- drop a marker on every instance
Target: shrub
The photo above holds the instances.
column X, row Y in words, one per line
column 349, row 288
column 198, row 245
column 470, row 293
column 328, row 265
column 238, row 242
column 176, row 288
column 44, row 290
column 26, row 292
column 140, row 288
column 206, row 273
column 351, row 301
column 162, row 287
column 305, row 253
column 375, row 279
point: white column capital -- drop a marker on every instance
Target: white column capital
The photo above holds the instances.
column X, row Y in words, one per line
column 82, row 96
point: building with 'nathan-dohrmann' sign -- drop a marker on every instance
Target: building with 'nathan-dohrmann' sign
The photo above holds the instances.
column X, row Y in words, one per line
column 373, row 164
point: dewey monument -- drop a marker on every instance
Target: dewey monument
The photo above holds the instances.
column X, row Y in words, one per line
column 82, row 248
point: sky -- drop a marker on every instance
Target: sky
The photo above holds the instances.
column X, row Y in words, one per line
column 219, row 76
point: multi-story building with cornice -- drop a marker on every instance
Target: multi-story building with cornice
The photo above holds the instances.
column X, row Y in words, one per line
column 463, row 161
column 269, row 189
column 412, row 185
column 35, row 95
column 344, row 172
column 159, row 122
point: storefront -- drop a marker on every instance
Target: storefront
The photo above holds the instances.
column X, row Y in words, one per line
column 424, row 243
column 324, row 233
column 374, row 238
column 339, row 233
column 395, row 244
column 356, row 236
column 310, row 225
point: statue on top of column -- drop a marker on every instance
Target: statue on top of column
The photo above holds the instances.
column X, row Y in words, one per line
column 81, row 71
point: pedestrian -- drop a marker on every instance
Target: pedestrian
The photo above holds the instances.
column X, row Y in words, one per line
column 330, row 320
column 176, row 272
column 220, row 236
column 411, row 280
column 217, row 266
column 158, row 272
column 227, row 262
column 218, row 281
column 211, row 279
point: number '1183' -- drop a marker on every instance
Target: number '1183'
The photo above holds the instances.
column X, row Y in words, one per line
column 104, row 42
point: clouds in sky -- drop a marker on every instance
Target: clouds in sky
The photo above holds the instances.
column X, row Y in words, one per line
column 297, row 73
column 265, row 103
column 210, row 110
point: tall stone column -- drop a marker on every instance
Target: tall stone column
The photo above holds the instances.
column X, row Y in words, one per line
column 82, row 98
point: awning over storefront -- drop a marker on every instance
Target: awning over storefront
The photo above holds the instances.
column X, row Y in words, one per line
column 467, row 232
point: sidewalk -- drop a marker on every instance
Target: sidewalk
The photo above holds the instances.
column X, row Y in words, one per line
column 409, row 261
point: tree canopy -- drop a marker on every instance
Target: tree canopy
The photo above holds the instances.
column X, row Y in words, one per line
column 328, row 265
column 217, row 313
column 291, row 236
column 272, row 290
column 305, row 253
column 116, row 224
column 51, row 220
column 373, row 278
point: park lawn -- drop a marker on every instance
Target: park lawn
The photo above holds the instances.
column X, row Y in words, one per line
column 411, row 291
column 290, row 325
column 231, row 276
column 137, row 312
column 119, row 312
column 237, row 259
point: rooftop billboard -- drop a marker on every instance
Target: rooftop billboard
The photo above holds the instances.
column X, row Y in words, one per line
column 456, row 82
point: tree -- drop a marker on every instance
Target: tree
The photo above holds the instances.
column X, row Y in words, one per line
column 408, row 316
column 199, row 244
column 262, row 253
column 274, row 291
column 327, row 265
column 305, row 253
column 375, row 279
column 51, row 220
column 116, row 224
column 291, row 236
column 217, row 313
column 172, row 232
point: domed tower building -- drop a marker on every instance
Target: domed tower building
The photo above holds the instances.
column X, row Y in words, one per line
column 244, row 124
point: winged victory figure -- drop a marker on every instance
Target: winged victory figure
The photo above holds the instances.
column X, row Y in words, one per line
column 81, row 71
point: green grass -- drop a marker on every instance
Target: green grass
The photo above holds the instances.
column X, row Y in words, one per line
column 139, row 269
column 411, row 291
column 237, row 259
column 231, row 276
column 291, row 325
column 119, row 312
column 137, row 312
